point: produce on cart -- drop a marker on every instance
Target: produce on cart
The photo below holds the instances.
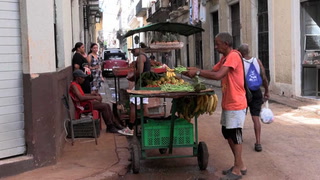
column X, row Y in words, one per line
column 189, row 100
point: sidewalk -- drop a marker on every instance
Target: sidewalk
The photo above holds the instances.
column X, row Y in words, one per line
column 109, row 159
column 86, row 161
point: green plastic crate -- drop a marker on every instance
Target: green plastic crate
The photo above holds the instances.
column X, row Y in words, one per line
column 157, row 133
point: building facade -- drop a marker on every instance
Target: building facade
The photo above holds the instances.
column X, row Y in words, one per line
column 36, row 41
column 284, row 35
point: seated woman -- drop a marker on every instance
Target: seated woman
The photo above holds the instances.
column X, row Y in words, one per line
column 113, row 126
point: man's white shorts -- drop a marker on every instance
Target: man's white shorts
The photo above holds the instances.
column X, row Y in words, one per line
column 233, row 119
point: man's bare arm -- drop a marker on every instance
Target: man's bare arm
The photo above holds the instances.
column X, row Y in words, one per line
column 265, row 82
column 209, row 74
column 86, row 97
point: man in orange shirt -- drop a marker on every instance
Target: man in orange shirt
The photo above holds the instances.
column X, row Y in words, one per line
column 230, row 71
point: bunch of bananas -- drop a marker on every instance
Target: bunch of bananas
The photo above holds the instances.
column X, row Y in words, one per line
column 206, row 104
column 170, row 73
column 196, row 105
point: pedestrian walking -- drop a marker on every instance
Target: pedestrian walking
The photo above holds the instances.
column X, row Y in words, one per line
column 257, row 99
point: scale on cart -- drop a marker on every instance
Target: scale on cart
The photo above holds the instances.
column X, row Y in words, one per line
column 172, row 132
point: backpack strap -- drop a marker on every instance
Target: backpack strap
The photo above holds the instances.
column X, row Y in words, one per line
column 244, row 79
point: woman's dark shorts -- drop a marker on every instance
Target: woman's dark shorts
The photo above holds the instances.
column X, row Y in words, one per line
column 234, row 134
column 256, row 103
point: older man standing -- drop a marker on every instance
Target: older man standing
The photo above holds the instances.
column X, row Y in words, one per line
column 230, row 71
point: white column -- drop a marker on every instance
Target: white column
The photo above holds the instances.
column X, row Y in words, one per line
column 75, row 14
column 37, row 36
column 64, row 32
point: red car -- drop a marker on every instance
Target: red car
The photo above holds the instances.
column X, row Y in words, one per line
column 113, row 59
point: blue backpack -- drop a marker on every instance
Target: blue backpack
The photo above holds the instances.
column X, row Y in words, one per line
column 253, row 78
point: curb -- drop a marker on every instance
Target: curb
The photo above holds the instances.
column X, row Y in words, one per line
column 119, row 169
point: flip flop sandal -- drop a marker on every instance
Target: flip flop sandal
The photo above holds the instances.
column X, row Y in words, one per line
column 231, row 176
column 224, row 172
column 257, row 147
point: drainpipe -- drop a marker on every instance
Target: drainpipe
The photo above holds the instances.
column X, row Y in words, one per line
column 85, row 23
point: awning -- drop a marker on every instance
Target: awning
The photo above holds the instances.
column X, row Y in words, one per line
column 179, row 28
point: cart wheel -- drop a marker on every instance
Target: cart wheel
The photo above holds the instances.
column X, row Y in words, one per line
column 135, row 159
column 163, row 150
column 203, row 155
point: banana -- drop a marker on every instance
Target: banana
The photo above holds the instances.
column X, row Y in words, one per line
column 216, row 100
column 198, row 105
column 204, row 104
column 209, row 106
column 212, row 104
column 206, row 98
column 170, row 70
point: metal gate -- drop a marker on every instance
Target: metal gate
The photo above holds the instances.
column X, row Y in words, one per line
column 12, row 138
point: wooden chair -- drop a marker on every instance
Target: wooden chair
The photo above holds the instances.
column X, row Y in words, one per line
column 87, row 108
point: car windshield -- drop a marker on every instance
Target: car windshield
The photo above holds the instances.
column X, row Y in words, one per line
column 119, row 56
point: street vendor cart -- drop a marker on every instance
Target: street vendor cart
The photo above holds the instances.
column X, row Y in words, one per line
column 174, row 131
column 169, row 133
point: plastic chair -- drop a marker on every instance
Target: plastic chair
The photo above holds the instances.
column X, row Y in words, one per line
column 78, row 119
column 84, row 107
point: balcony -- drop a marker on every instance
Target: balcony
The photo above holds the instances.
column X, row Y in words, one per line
column 161, row 4
column 141, row 8
column 93, row 6
column 178, row 7
column 131, row 15
column 159, row 11
column 175, row 4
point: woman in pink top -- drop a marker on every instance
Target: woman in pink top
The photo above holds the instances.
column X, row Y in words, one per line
column 230, row 71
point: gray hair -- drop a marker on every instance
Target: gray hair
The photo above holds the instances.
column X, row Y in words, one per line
column 244, row 49
column 225, row 37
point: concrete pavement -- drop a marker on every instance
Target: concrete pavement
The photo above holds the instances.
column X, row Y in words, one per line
column 85, row 160
column 109, row 159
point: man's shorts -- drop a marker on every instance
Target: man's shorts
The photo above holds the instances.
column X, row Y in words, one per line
column 145, row 100
column 256, row 103
column 233, row 119
column 234, row 134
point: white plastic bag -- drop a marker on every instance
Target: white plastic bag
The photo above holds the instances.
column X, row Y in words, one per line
column 266, row 114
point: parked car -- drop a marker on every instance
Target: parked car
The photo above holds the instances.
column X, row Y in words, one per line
column 113, row 58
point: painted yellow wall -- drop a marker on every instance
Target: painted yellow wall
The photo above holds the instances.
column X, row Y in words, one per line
column 246, row 23
column 282, row 38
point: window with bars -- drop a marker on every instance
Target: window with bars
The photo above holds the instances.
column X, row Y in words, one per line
column 263, row 35
column 215, row 31
column 198, row 46
column 235, row 25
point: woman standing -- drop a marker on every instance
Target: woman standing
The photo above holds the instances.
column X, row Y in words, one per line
column 95, row 67
column 78, row 62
